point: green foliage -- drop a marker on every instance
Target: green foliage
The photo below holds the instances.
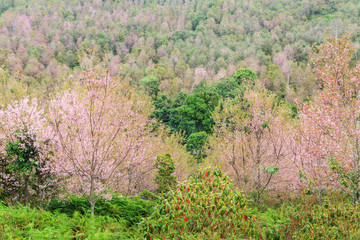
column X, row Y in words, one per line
column 227, row 88
column 245, row 76
column 24, row 223
column 69, row 58
column 336, row 218
column 181, row 35
column 24, row 154
column 162, row 109
column 195, row 144
column 195, row 114
column 196, row 19
column 294, row 109
column 300, row 218
column 6, row 4
column 128, row 211
column 205, row 207
column 25, row 163
column 267, row 47
column 277, row 81
column 348, row 179
column 150, row 84
column 165, row 168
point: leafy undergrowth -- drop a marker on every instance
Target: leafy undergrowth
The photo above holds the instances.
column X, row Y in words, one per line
column 21, row 222
column 129, row 211
column 335, row 218
column 205, row 207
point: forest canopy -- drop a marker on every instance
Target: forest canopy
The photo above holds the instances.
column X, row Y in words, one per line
column 154, row 119
column 44, row 43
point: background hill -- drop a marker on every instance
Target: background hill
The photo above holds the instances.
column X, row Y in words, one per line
column 43, row 43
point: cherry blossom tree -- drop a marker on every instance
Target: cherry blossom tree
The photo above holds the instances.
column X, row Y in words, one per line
column 105, row 140
column 250, row 142
column 329, row 129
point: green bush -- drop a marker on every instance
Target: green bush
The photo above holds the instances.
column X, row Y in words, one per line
column 205, row 207
column 131, row 211
column 21, row 222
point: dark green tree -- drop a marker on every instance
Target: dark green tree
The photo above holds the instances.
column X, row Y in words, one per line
column 245, row 76
column 195, row 145
column 195, row 114
column 162, row 109
column 227, row 88
column 24, row 164
column 165, row 168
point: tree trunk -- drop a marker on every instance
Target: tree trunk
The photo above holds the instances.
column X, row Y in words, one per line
column 39, row 190
column 258, row 171
column 355, row 191
column 92, row 204
column 92, row 199
column 26, row 190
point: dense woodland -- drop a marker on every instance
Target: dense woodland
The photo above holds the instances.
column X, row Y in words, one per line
column 218, row 119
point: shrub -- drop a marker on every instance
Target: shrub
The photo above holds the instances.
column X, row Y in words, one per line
column 165, row 168
column 129, row 211
column 205, row 207
column 21, row 222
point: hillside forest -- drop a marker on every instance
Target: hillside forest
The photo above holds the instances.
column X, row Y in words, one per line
column 179, row 119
